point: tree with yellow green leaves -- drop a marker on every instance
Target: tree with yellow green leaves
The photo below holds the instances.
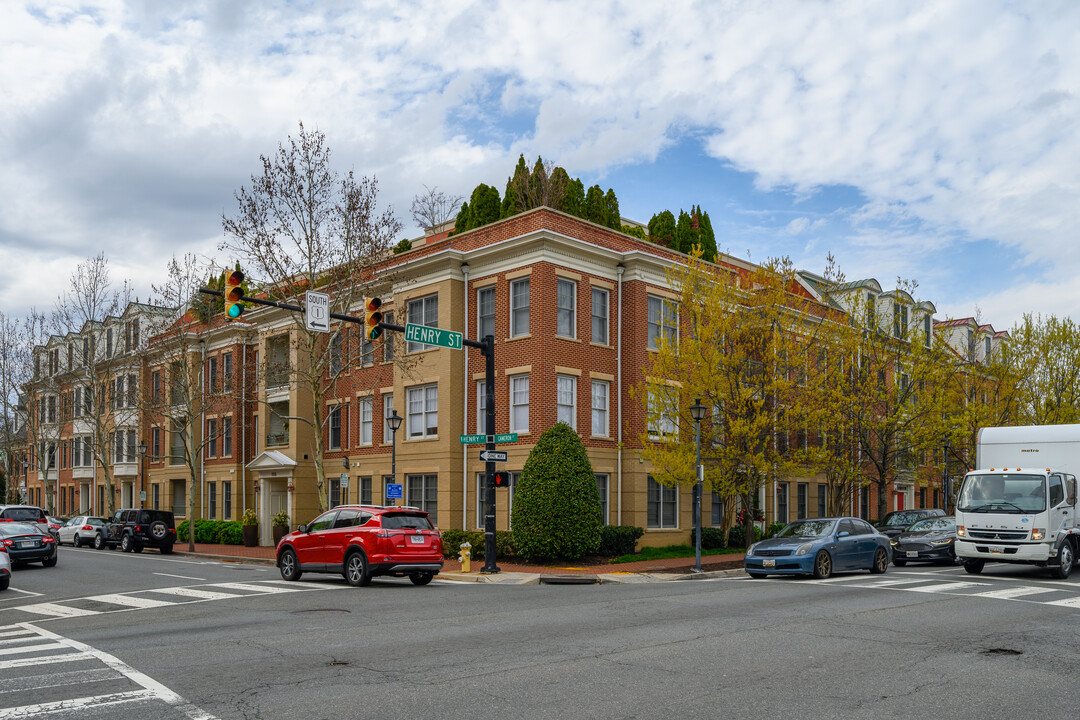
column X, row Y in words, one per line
column 744, row 353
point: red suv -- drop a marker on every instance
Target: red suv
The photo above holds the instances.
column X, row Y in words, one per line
column 362, row 541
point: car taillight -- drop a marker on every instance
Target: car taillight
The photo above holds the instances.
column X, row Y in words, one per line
column 48, row 539
column 9, row 542
column 138, row 529
column 87, row 527
column 172, row 530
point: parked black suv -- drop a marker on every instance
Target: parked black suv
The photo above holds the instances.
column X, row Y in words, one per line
column 134, row 529
column 900, row 520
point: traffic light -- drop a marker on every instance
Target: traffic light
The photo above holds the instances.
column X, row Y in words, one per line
column 502, row 479
column 233, row 292
column 372, row 318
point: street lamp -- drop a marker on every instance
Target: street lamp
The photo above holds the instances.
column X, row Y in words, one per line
column 142, row 472
column 393, row 422
column 697, row 411
column 26, row 480
column 945, row 478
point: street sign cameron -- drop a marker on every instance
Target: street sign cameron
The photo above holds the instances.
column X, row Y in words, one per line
column 493, row 456
column 481, row 439
column 433, row 336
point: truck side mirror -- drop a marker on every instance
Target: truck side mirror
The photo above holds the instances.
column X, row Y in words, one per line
column 1070, row 485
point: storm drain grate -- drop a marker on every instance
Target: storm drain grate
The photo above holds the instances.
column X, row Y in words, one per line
column 1002, row 651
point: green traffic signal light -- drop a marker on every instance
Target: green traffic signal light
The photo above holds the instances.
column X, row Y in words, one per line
column 234, row 308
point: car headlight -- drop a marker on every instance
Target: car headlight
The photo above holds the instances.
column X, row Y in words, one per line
column 750, row 550
column 946, row 541
column 804, row 549
column 961, row 531
column 894, row 542
column 1038, row 533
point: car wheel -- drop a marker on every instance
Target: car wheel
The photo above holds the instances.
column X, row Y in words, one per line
column 125, row 544
column 4, row 583
column 421, row 578
column 166, row 549
column 881, row 562
column 289, row 566
column 1065, row 555
column 137, row 547
column 756, row 575
column 822, row 565
column 356, row 570
column 77, row 542
column 99, row 542
column 49, row 562
column 159, row 530
column 974, row 566
column 899, row 562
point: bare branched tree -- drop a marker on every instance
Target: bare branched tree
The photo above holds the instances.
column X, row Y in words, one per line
column 432, row 208
column 82, row 311
column 302, row 226
column 18, row 338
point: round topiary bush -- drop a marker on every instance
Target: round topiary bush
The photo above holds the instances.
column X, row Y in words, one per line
column 556, row 502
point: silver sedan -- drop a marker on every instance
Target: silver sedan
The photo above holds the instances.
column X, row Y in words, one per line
column 79, row 530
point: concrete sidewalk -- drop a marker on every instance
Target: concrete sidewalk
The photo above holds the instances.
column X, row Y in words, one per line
column 712, row 566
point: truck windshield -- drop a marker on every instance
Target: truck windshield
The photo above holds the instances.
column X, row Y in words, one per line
column 1002, row 493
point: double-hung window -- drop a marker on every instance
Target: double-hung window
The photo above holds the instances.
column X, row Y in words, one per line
column 423, row 409
column 566, row 298
column 211, row 438
column 600, row 298
column 662, row 420
column 423, row 311
column 519, row 403
column 566, row 400
column 663, row 321
column 662, row 511
column 226, row 436
column 481, row 407
column 388, row 338
column 364, row 406
column 335, row 428
column 602, row 488
column 388, row 411
column 485, row 312
column 519, row 307
column 422, row 492
column 600, row 408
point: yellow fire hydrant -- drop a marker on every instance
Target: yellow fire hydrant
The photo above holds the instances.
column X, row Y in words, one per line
column 463, row 558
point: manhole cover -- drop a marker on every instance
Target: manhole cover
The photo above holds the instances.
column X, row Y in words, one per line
column 320, row 610
column 1002, row 651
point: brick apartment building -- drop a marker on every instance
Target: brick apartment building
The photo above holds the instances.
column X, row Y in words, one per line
column 575, row 309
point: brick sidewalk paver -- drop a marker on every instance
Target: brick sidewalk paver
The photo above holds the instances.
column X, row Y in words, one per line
column 669, row 565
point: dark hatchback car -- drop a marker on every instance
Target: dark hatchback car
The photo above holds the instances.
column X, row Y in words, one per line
column 27, row 542
column 930, row 540
column 897, row 522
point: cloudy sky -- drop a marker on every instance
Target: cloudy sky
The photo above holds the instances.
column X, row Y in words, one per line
column 937, row 142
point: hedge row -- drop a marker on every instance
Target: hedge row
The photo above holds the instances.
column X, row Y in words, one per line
column 224, row 532
column 452, row 540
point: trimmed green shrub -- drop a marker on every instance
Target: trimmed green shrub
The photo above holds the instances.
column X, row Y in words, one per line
column 737, row 536
column 225, row 532
column 452, row 539
column 231, row 533
column 618, row 540
column 556, row 504
column 712, row 538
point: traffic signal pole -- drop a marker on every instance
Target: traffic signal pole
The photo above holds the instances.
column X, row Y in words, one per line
column 487, row 349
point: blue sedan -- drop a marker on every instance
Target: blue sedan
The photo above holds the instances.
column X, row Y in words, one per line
column 818, row 547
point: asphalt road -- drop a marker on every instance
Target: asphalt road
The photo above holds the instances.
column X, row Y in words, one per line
column 138, row 636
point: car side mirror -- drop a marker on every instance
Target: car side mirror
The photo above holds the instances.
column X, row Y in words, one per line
column 842, row 533
column 302, row 529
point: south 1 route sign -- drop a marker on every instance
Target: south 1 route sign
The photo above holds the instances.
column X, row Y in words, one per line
column 433, row 336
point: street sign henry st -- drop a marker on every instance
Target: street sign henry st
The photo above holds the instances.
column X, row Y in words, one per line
column 481, row 439
column 433, row 336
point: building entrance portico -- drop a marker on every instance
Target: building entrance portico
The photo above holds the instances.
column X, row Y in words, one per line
column 273, row 473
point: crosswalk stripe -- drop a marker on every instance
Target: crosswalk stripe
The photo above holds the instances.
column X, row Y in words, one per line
column 54, row 610
column 16, row 639
column 130, row 601
column 71, row 677
column 1068, row 602
column 1013, row 592
column 266, row 589
column 44, row 660
column 93, row 701
column 13, row 633
column 946, row 587
column 193, row 593
column 31, row 648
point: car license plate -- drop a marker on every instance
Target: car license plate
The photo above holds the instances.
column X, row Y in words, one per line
column 912, row 553
column 27, row 544
column 417, row 539
column 768, row 562
column 997, row 548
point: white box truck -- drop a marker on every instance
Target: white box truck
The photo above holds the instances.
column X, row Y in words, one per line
column 1019, row 504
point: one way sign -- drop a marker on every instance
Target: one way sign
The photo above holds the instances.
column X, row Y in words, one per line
column 493, row 456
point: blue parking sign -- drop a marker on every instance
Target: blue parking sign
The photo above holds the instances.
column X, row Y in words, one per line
column 393, row 491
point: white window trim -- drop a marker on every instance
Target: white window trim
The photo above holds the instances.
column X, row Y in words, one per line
column 573, row 308
column 573, row 399
column 607, row 408
column 513, row 416
column 606, row 317
column 514, row 330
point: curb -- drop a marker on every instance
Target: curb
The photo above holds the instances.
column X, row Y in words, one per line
column 226, row 558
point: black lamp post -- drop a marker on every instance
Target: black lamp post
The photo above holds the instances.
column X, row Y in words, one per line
column 142, row 472
column 945, row 478
column 393, row 422
column 697, row 411
column 26, row 480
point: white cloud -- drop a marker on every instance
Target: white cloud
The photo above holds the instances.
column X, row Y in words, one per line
column 127, row 126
